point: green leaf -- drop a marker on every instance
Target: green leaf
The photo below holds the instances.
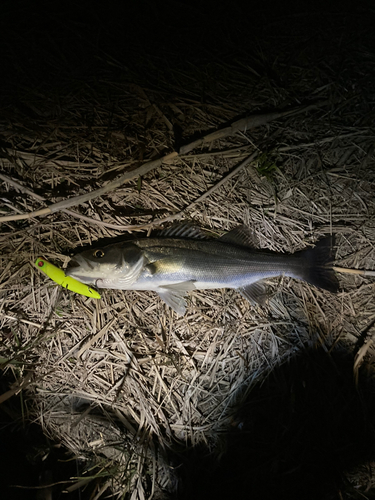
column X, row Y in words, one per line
column 267, row 166
column 59, row 312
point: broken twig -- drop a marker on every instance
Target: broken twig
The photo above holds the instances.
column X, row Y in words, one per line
column 240, row 125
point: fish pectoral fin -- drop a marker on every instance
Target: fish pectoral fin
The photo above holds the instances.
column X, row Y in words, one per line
column 174, row 299
column 183, row 286
column 241, row 236
column 255, row 293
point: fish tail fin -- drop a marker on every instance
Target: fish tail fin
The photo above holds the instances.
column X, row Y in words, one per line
column 316, row 269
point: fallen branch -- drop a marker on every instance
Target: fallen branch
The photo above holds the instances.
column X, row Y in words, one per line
column 205, row 195
column 240, row 125
column 134, row 227
column 361, row 272
column 244, row 124
column 28, row 191
column 221, row 182
column 78, row 200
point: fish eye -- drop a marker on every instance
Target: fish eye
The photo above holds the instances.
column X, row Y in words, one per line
column 99, row 254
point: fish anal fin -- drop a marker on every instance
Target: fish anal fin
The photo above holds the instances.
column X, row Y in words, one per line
column 255, row 293
column 241, row 236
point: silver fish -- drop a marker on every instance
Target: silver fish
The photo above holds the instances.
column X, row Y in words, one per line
column 183, row 259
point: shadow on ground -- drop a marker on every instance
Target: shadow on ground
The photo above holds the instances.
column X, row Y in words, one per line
column 297, row 435
column 29, row 461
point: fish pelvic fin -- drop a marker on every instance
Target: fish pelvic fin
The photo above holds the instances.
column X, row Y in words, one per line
column 316, row 268
column 174, row 295
column 174, row 299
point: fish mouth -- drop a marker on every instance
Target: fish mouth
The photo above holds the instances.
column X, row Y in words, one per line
column 78, row 265
column 73, row 264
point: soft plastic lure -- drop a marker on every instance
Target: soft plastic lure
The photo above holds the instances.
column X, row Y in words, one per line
column 61, row 279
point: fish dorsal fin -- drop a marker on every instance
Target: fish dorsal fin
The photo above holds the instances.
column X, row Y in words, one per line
column 255, row 293
column 240, row 235
column 183, row 230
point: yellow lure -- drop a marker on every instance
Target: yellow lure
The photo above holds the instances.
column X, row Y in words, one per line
column 59, row 277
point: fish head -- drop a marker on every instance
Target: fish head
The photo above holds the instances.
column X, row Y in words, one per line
column 107, row 267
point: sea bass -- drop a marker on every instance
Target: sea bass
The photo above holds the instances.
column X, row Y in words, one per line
column 183, row 259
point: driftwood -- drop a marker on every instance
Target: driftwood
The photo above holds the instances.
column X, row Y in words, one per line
column 240, row 125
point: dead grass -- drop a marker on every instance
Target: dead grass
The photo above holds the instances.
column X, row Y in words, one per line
column 123, row 377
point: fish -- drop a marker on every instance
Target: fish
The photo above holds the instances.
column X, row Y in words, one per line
column 182, row 258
